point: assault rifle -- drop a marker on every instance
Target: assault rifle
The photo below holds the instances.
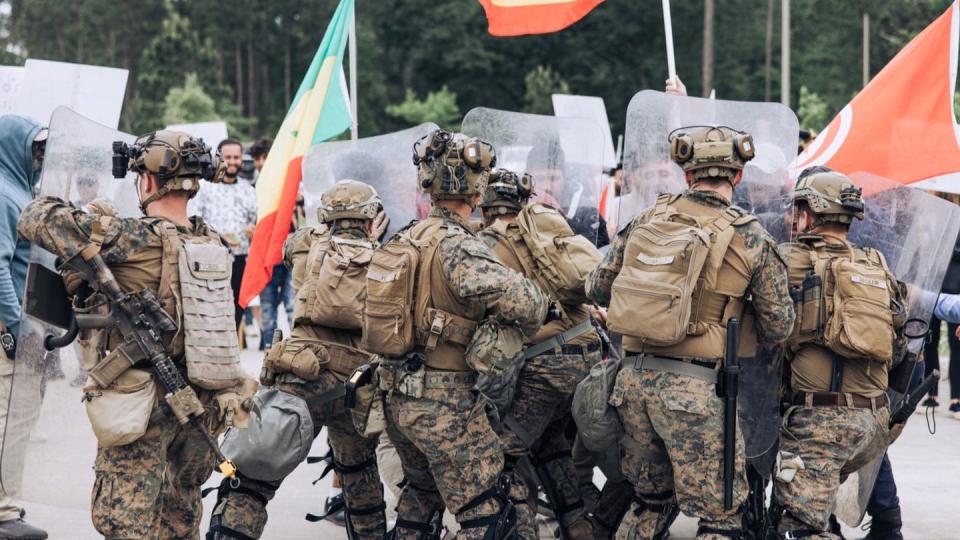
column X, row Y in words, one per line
column 141, row 321
column 728, row 388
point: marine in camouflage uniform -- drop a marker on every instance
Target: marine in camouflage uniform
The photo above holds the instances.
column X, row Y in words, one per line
column 450, row 454
column 838, row 416
column 535, row 424
column 667, row 396
column 312, row 364
column 149, row 488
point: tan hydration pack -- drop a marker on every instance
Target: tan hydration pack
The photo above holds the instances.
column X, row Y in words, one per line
column 845, row 304
column 669, row 262
column 334, row 283
column 555, row 256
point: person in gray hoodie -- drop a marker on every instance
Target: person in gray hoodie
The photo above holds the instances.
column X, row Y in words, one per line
column 22, row 143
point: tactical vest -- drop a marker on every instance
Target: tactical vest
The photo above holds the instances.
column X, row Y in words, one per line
column 842, row 298
column 718, row 292
column 513, row 252
column 194, row 289
column 195, row 285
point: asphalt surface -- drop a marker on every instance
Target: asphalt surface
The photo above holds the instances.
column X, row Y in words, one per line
column 59, row 476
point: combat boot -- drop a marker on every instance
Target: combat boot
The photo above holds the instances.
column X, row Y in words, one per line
column 886, row 525
column 18, row 529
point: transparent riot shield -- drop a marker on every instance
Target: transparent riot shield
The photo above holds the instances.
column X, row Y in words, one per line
column 649, row 171
column 48, row 446
column 563, row 154
column 915, row 231
column 383, row 161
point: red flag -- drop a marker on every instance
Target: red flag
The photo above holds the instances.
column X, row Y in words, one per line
column 521, row 17
column 902, row 125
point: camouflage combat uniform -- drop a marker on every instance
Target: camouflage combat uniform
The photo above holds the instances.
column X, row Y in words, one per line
column 450, row 454
column 244, row 510
column 149, row 488
column 673, row 422
column 535, row 425
column 832, row 441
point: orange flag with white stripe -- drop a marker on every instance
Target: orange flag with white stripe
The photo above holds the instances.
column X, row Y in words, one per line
column 522, row 17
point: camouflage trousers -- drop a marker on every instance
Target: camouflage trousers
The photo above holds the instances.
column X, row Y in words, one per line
column 150, row 488
column 672, row 449
column 535, row 428
column 354, row 459
column 450, row 456
column 833, row 442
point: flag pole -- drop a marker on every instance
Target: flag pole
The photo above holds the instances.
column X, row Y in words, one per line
column 668, row 31
column 352, row 40
column 785, row 52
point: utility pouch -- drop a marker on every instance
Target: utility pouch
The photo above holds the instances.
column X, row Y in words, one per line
column 120, row 412
column 811, row 304
column 410, row 382
column 366, row 408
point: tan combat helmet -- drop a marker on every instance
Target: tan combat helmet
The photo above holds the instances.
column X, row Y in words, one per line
column 452, row 165
column 711, row 151
column 831, row 196
column 178, row 160
column 506, row 193
column 349, row 200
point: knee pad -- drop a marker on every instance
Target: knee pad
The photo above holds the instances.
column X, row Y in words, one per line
column 272, row 446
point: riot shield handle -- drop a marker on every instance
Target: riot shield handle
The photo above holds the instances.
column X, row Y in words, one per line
column 51, row 342
column 728, row 388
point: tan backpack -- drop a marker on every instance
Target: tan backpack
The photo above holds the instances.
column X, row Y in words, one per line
column 857, row 305
column 664, row 265
column 389, row 308
column 334, row 286
column 561, row 259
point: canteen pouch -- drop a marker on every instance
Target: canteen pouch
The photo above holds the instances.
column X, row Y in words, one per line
column 593, row 408
column 120, row 413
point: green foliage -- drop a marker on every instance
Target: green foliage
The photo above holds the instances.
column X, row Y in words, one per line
column 250, row 55
column 439, row 107
column 541, row 83
column 189, row 103
column 812, row 110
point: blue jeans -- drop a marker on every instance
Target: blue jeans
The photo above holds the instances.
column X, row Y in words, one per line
column 279, row 290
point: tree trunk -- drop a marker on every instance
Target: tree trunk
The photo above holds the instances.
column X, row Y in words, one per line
column 287, row 90
column 251, row 82
column 238, row 60
column 768, row 54
column 707, row 47
column 265, row 93
column 221, row 69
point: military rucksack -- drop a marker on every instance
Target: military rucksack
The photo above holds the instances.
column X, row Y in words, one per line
column 334, row 283
column 664, row 268
column 846, row 305
column 560, row 258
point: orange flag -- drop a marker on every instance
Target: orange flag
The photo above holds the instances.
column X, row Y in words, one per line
column 521, row 17
column 902, row 125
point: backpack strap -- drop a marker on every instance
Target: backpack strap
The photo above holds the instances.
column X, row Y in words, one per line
column 170, row 263
column 721, row 234
column 662, row 208
column 97, row 236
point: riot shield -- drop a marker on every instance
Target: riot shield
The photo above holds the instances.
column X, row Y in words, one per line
column 915, row 231
column 563, row 154
column 649, row 171
column 383, row 161
column 48, row 446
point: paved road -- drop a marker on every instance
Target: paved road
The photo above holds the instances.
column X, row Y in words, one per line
column 59, row 476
